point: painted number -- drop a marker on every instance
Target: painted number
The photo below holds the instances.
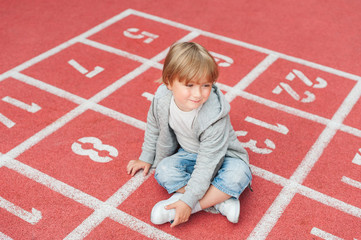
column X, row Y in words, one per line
column 33, row 108
column 148, row 96
column 270, row 145
column 308, row 96
column 222, row 60
column 85, row 71
column 93, row 148
column 356, row 160
column 135, row 33
column 32, row 217
column 325, row 235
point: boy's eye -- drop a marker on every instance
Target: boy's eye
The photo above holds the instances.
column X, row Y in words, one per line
column 189, row 85
column 206, row 85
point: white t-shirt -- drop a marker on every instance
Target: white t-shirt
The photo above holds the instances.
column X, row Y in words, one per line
column 181, row 122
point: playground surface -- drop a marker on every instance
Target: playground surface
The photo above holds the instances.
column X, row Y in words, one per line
column 73, row 107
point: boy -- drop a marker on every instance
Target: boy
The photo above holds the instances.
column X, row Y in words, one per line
column 190, row 139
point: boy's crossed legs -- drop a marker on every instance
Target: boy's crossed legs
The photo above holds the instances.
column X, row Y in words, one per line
column 174, row 172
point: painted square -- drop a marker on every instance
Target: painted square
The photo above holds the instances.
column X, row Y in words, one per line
column 302, row 87
column 90, row 153
column 81, row 69
column 337, row 172
column 27, row 110
column 134, row 98
column 139, row 36
column 308, row 219
column 234, row 62
column 275, row 140
column 38, row 212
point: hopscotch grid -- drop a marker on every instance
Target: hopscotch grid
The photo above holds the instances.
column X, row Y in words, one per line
column 79, row 196
column 249, row 46
column 86, row 105
column 92, row 105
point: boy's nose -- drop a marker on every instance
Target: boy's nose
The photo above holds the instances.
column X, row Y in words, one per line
column 196, row 92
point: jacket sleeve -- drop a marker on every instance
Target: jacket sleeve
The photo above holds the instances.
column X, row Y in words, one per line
column 151, row 135
column 213, row 148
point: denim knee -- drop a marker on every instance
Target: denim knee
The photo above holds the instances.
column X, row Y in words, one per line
column 171, row 174
column 233, row 177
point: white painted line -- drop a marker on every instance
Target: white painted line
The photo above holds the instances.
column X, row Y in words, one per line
column 48, row 88
column 64, row 45
column 351, row 182
column 324, row 235
column 249, row 46
column 88, row 225
column 141, row 69
column 122, row 53
column 115, row 200
column 80, row 197
column 275, row 211
column 33, row 108
column 77, row 66
column 32, row 217
column 92, row 221
column 95, row 72
column 308, row 192
column 329, row 201
column 357, row 158
column 251, row 76
column 6, row 121
column 306, row 165
column 4, row 237
column 148, row 96
column 79, row 100
column 140, row 226
column 52, row 183
column 36, row 138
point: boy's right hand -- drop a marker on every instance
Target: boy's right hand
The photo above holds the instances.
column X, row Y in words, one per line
column 135, row 165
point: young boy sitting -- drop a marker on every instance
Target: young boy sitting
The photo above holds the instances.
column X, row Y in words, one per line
column 190, row 140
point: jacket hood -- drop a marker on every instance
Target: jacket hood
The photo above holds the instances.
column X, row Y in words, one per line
column 215, row 108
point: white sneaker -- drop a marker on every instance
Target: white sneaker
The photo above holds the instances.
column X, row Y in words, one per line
column 159, row 214
column 229, row 208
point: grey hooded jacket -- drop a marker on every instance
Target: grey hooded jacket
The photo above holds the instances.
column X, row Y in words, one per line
column 213, row 129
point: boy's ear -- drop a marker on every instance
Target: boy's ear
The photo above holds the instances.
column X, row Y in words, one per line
column 169, row 86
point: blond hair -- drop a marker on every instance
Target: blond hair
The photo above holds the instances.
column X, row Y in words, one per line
column 188, row 61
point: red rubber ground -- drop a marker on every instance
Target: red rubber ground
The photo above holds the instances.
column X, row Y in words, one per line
column 291, row 70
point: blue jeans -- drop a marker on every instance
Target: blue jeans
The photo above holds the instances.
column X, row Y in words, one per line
column 173, row 173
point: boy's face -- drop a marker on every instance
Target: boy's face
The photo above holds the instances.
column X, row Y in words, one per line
column 192, row 95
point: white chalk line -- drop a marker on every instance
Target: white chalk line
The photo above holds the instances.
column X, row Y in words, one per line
column 321, row 66
column 79, row 100
column 351, row 182
column 66, row 44
column 248, row 45
column 122, row 53
column 69, row 96
column 251, row 76
column 141, row 125
column 81, row 197
column 126, row 190
column 15, row 152
column 324, row 235
column 307, row 192
column 4, row 237
column 284, row 198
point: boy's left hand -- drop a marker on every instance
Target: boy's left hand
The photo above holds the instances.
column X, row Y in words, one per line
column 182, row 212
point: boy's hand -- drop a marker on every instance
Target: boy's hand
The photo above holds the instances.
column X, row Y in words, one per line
column 182, row 212
column 135, row 165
